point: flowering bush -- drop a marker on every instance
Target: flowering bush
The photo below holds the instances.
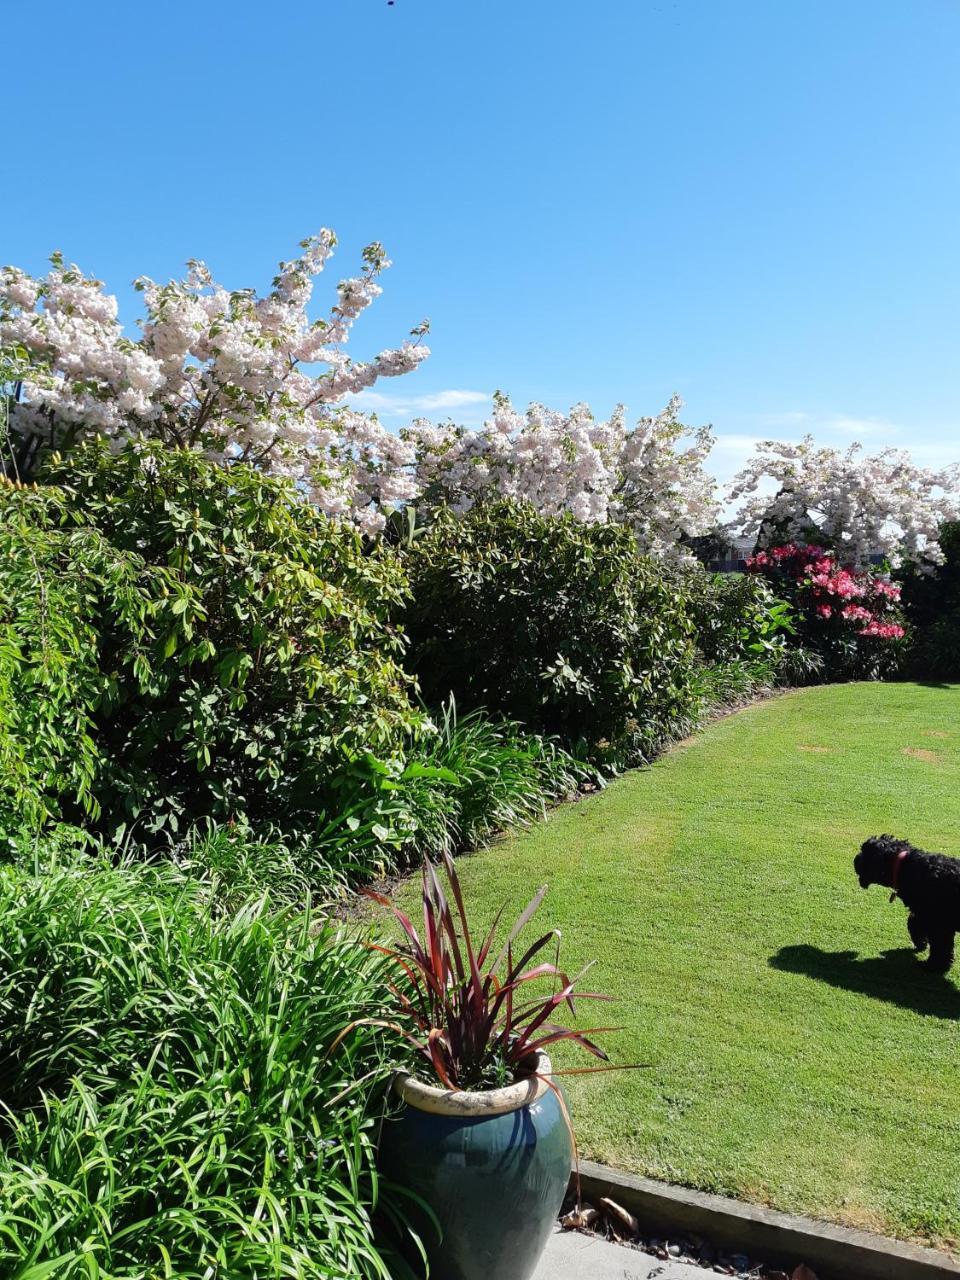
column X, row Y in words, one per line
column 851, row 618
column 596, row 471
column 861, row 505
column 226, row 372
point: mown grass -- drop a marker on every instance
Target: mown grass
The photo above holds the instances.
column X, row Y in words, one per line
column 799, row 1055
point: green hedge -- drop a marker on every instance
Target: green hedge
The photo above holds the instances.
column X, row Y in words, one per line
column 178, row 641
column 556, row 623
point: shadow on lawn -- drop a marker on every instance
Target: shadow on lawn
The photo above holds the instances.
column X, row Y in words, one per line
column 896, row 976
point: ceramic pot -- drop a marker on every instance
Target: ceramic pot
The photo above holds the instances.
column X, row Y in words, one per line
column 493, row 1166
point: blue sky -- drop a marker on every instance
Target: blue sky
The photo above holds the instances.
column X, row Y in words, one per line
column 751, row 202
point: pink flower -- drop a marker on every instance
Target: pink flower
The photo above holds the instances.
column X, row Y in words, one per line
column 824, row 611
column 883, row 630
column 857, row 613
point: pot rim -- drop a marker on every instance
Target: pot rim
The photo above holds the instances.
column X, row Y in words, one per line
column 477, row 1104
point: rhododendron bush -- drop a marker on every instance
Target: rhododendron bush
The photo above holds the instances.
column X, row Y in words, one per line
column 852, row 618
column 241, row 377
column 859, row 505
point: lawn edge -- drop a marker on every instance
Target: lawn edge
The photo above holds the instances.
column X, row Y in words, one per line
column 834, row 1252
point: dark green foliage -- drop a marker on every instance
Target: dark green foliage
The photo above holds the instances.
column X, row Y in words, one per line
column 556, row 623
column 470, row 779
column 195, row 641
column 932, row 604
column 505, row 777
column 737, row 617
column 71, row 603
column 173, row 1108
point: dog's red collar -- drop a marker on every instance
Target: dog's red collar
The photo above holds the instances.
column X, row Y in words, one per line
column 895, row 873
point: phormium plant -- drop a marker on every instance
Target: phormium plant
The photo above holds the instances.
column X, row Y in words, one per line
column 470, row 1010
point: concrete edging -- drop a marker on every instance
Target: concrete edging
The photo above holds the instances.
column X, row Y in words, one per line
column 833, row 1252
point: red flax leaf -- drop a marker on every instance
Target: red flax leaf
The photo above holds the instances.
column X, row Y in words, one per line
column 466, row 1016
column 403, row 920
column 488, row 941
column 526, row 915
column 435, row 1041
column 476, row 981
column 447, row 920
column 578, row 1037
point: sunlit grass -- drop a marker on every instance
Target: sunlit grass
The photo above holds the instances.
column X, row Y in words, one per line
column 799, row 1054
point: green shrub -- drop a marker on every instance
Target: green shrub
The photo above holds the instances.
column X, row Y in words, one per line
column 932, row 605
column 190, row 642
column 737, row 617
column 558, row 624
column 70, row 605
column 505, row 777
column 171, row 1106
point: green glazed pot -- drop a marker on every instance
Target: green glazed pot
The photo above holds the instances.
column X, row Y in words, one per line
column 493, row 1167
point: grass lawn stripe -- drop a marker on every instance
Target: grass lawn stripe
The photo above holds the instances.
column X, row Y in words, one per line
column 800, row 1057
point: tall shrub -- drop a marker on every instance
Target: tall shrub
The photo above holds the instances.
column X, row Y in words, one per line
column 229, row 648
column 559, row 624
column 932, row 603
column 738, row 618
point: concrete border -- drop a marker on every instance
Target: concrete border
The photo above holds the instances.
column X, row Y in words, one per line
column 833, row 1252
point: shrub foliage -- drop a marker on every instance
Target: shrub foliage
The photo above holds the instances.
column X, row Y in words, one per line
column 180, row 641
column 850, row 619
column 172, row 1108
column 556, row 623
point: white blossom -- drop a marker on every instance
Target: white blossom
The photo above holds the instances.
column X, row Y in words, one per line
column 222, row 371
column 859, row 504
column 650, row 477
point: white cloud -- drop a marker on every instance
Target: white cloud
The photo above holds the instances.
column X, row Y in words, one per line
column 799, row 422
column 410, row 406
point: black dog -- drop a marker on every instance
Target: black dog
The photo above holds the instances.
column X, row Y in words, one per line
column 928, row 884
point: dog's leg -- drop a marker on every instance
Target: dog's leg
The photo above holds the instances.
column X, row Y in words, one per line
column 941, row 950
column 918, row 933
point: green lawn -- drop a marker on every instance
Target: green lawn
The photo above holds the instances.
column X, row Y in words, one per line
column 800, row 1057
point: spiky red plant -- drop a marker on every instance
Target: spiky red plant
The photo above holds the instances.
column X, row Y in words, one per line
column 471, row 1011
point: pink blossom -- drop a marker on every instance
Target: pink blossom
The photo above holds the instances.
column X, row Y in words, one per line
column 883, row 630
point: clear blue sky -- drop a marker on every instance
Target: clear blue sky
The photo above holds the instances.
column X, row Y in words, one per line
column 755, row 203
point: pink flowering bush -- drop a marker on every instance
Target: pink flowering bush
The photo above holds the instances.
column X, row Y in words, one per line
column 851, row 618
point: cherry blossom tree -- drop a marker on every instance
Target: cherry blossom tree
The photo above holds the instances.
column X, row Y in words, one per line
column 242, row 377
column 650, row 477
column 858, row 504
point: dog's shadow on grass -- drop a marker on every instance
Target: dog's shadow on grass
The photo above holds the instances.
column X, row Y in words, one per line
column 895, row 976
